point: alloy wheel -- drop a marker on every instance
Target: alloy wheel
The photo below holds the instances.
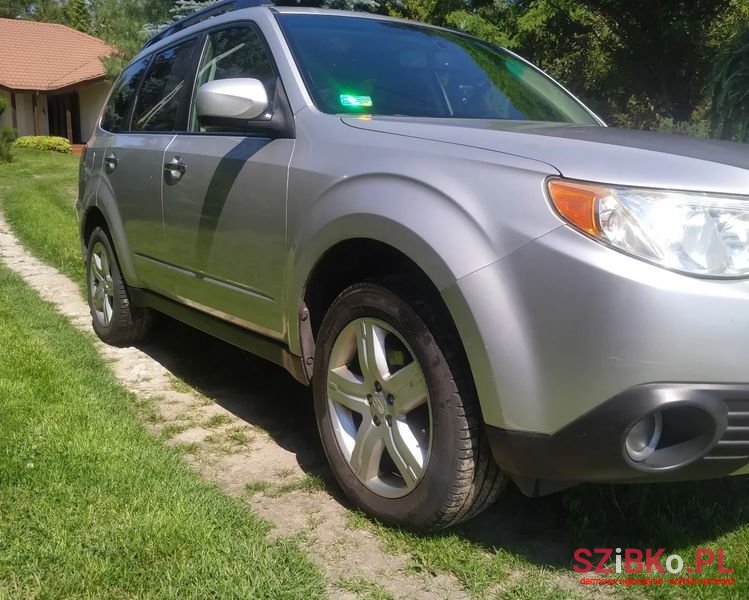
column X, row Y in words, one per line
column 101, row 286
column 380, row 407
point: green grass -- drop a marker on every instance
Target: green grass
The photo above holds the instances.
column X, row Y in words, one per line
column 492, row 559
column 37, row 194
column 477, row 570
column 258, row 486
column 364, row 589
column 91, row 505
column 308, row 484
column 218, row 421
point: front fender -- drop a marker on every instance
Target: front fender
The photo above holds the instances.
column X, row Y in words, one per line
column 438, row 234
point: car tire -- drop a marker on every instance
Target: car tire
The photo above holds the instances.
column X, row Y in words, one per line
column 435, row 467
column 115, row 320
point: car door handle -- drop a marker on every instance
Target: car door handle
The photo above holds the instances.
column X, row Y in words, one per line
column 110, row 163
column 174, row 170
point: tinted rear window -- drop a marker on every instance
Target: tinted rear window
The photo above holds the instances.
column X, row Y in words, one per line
column 160, row 97
column 118, row 105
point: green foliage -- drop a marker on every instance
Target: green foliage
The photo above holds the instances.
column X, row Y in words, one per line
column 729, row 89
column 475, row 24
column 699, row 128
column 427, row 11
column 8, row 136
column 660, row 51
column 49, row 11
column 78, row 15
column 49, row 143
column 184, row 8
column 123, row 25
column 374, row 6
column 3, row 104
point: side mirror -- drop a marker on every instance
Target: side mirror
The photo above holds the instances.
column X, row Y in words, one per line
column 241, row 99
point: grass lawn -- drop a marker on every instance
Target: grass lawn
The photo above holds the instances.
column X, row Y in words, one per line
column 91, row 505
column 37, row 195
column 520, row 549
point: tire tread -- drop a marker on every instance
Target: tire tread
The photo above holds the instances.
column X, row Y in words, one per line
column 478, row 481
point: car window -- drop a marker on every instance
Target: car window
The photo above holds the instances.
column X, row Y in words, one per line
column 158, row 103
column 361, row 65
column 233, row 53
column 118, row 105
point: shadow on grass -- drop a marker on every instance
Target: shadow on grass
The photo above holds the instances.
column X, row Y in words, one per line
column 544, row 531
column 258, row 392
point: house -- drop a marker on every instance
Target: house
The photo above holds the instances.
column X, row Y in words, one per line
column 52, row 79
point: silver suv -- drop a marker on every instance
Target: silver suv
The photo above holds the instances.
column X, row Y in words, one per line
column 479, row 280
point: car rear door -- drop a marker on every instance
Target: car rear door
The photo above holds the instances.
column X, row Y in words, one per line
column 130, row 184
column 224, row 196
column 134, row 161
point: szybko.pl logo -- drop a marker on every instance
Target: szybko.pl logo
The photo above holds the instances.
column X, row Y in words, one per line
column 633, row 566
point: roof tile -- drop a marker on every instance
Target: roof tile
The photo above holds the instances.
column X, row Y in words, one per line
column 47, row 56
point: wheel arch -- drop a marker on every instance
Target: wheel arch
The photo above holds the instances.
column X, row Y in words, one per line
column 103, row 212
column 445, row 238
column 355, row 260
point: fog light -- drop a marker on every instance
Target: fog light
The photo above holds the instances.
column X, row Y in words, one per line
column 643, row 438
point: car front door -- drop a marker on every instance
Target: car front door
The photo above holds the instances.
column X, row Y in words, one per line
column 224, row 192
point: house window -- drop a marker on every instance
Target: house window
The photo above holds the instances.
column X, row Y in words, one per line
column 158, row 103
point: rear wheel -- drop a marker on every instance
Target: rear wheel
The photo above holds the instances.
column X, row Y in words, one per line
column 115, row 320
column 397, row 414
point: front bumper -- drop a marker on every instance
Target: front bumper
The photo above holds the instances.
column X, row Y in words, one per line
column 705, row 435
column 564, row 323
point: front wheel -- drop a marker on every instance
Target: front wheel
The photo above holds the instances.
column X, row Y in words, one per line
column 397, row 414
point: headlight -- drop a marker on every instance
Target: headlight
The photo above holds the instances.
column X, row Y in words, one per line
column 700, row 234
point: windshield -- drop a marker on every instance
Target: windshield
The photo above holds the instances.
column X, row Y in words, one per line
column 359, row 65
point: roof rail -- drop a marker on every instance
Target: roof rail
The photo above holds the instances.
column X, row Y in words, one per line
column 214, row 10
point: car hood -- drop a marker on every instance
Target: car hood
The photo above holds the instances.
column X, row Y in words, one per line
column 592, row 153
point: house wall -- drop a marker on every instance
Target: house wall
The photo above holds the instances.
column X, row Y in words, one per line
column 25, row 114
column 91, row 99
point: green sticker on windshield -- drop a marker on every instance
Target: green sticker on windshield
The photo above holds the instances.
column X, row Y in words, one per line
column 355, row 101
column 515, row 67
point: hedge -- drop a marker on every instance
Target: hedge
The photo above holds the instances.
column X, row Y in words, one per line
column 44, row 142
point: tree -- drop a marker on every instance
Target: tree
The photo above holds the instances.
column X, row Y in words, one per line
column 122, row 24
column 12, row 9
column 662, row 49
column 49, row 11
column 729, row 89
column 184, row 8
column 637, row 61
column 78, row 16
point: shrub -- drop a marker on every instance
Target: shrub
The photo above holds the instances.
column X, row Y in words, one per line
column 696, row 128
column 44, row 142
column 7, row 137
column 3, row 104
column 729, row 89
